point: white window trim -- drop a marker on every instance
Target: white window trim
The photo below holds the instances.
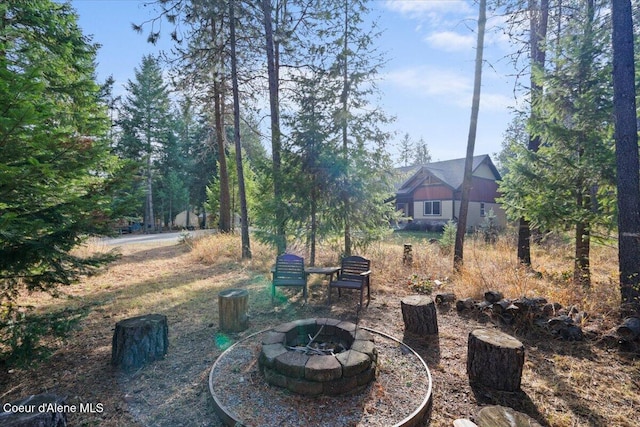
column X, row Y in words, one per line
column 424, row 210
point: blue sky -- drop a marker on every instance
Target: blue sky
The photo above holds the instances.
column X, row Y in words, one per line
column 426, row 84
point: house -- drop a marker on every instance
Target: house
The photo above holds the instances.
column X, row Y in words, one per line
column 429, row 195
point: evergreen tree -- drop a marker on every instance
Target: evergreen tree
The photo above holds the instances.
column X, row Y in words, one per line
column 422, row 154
column 406, row 150
column 566, row 183
column 362, row 160
column 309, row 159
column 146, row 127
column 57, row 174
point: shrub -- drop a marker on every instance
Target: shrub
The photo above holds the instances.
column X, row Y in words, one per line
column 448, row 238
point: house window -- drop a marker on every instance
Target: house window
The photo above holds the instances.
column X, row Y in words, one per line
column 482, row 209
column 432, row 207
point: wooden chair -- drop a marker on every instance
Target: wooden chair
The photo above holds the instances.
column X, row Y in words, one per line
column 289, row 271
column 354, row 274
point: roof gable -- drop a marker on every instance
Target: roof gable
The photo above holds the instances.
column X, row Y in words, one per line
column 450, row 172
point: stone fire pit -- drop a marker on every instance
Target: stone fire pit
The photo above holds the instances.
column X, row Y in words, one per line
column 318, row 357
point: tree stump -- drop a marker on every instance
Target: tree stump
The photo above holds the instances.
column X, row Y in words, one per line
column 419, row 315
column 407, row 256
column 40, row 410
column 139, row 340
column 232, row 309
column 495, row 360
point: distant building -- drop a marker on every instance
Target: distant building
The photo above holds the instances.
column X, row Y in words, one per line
column 187, row 220
column 429, row 195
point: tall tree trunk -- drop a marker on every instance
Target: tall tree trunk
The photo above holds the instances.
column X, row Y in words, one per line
column 581, row 269
column 627, row 162
column 148, row 206
column 538, row 23
column 458, row 255
column 246, row 247
column 225, row 196
column 314, row 227
column 345, row 137
column 281, row 244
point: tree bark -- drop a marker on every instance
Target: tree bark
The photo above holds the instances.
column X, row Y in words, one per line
column 419, row 315
column 246, row 246
column 630, row 329
column 139, row 340
column 627, row 162
column 232, row 310
column 537, row 35
column 274, row 108
column 495, row 360
column 344, row 98
column 458, row 255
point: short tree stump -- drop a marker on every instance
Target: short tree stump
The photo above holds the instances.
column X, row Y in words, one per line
column 419, row 315
column 232, row 310
column 495, row 360
column 40, row 410
column 139, row 340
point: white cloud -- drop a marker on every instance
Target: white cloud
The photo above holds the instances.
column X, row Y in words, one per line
column 417, row 8
column 451, row 41
column 446, row 86
column 430, row 81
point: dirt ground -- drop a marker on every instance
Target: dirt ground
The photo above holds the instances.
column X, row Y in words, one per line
column 564, row 383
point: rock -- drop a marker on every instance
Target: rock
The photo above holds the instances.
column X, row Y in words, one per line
column 502, row 416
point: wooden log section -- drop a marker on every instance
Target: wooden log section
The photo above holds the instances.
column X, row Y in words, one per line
column 446, row 298
column 493, row 296
column 407, row 256
column 419, row 315
column 139, row 340
column 232, row 309
column 629, row 330
column 495, row 360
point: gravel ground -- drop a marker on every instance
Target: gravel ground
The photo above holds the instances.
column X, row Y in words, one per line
column 400, row 389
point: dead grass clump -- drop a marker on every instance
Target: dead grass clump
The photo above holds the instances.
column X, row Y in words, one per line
column 224, row 248
column 495, row 267
column 390, row 273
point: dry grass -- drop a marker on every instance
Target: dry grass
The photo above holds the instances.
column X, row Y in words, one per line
column 564, row 384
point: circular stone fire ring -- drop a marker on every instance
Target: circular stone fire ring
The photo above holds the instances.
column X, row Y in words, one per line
column 318, row 357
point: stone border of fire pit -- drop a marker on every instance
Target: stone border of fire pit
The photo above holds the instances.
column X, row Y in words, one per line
column 230, row 418
column 287, row 360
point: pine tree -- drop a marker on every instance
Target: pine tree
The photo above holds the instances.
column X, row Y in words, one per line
column 362, row 159
column 406, row 150
column 57, row 174
column 567, row 182
column 146, row 127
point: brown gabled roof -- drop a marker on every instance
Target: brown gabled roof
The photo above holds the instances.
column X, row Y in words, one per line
column 450, row 172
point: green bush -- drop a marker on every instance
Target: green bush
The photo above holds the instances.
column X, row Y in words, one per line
column 448, row 239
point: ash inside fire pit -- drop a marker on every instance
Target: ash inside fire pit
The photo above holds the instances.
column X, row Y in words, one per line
column 318, row 356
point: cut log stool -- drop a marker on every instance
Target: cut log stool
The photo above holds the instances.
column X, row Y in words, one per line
column 495, row 360
column 419, row 315
column 139, row 340
column 232, row 309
